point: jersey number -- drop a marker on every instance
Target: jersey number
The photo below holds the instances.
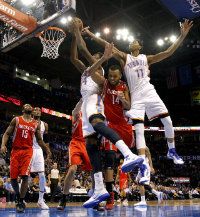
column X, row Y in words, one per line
column 115, row 100
column 140, row 73
column 25, row 134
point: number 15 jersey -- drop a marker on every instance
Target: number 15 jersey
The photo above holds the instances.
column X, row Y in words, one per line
column 136, row 71
column 24, row 133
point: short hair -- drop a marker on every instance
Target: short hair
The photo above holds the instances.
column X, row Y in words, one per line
column 115, row 67
column 139, row 41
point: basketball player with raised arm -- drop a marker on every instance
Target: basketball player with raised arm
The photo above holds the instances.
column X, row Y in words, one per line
column 37, row 165
column 144, row 97
column 93, row 119
column 23, row 129
column 77, row 153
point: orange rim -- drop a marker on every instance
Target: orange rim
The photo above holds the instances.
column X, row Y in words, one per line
column 51, row 28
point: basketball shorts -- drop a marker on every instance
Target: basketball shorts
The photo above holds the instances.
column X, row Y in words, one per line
column 78, row 154
column 125, row 131
column 91, row 105
column 37, row 164
column 20, row 162
column 123, row 184
column 150, row 102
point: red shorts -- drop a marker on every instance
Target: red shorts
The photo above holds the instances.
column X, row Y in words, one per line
column 20, row 162
column 125, row 132
column 78, row 154
column 123, row 184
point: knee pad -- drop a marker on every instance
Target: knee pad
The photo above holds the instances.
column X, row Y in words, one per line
column 140, row 139
column 168, row 127
column 110, row 157
column 93, row 119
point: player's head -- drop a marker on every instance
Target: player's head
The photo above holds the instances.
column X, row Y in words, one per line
column 97, row 55
column 136, row 45
column 27, row 109
column 121, row 161
column 36, row 112
column 114, row 74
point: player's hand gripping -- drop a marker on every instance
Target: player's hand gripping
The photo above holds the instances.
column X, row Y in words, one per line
column 108, row 52
column 3, row 149
column 121, row 95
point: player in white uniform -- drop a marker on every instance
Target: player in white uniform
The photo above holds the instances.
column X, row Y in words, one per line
column 37, row 165
column 147, row 185
column 93, row 117
column 144, row 97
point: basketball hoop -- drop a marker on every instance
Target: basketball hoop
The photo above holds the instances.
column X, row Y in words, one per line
column 51, row 38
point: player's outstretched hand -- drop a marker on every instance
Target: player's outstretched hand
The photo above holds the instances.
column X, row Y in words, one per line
column 186, row 26
column 108, row 52
column 85, row 31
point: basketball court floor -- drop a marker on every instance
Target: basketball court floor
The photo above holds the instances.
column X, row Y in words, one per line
column 186, row 208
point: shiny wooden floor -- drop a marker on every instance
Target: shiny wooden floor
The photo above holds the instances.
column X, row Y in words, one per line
column 172, row 208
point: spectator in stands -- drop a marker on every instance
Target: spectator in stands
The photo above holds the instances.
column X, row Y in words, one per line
column 10, row 196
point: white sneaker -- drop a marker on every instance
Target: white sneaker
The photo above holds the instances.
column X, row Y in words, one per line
column 42, row 205
column 174, row 156
column 144, row 174
column 130, row 162
column 141, row 203
column 125, row 202
column 160, row 197
column 96, row 198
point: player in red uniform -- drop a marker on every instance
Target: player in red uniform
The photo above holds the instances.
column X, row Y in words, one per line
column 116, row 98
column 23, row 129
column 77, row 153
column 123, row 179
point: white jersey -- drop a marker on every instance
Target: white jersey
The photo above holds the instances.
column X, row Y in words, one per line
column 136, row 71
column 88, row 86
column 42, row 130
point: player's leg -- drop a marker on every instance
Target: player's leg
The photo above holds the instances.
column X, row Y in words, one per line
column 110, row 157
column 157, row 109
column 100, row 194
column 142, row 197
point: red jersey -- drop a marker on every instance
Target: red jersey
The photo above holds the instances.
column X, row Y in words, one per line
column 77, row 132
column 24, row 133
column 122, row 176
column 113, row 107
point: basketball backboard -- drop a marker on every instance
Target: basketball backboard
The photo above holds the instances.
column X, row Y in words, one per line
column 21, row 20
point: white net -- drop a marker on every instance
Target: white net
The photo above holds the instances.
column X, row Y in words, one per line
column 51, row 39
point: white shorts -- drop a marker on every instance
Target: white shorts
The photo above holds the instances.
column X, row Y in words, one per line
column 150, row 102
column 91, row 105
column 37, row 164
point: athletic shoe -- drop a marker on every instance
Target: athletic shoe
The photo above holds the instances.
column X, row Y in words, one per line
column 143, row 174
column 110, row 201
column 174, row 156
column 160, row 197
column 42, row 204
column 97, row 197
column 62, row 204
column 130, row 162
column 20, row 207
column 125, row 202
column 141, row 203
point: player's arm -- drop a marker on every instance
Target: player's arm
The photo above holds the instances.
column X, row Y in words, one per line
column 77, row 109
column 46, row 135
column 74, row 56
column 81, row 43
column 185, row 28
column 148, row 155
column 9, row 131
column 124, row 97
column 41, row 142
column 94, row 69
column 117, row 54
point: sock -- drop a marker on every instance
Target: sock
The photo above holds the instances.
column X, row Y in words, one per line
column 42, row 181
column 155, row 192
column 98, row 179
column 143, row 198
column 109, row 186
column 143, row 156
column 123, row 148
column 171, row 145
